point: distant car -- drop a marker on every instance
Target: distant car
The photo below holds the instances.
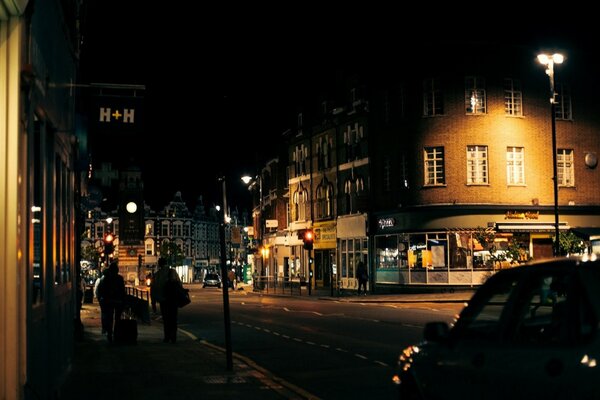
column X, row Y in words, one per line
column 529, row 332
column 212, row 279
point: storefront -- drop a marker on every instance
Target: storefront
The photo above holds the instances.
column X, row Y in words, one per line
column 462, row 247
column 352, row 243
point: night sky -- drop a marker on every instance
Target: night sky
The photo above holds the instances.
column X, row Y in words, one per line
column 222, row 85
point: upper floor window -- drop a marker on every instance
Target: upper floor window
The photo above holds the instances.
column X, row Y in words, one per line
column 352, row 189
column 149, row 228
column 324, row 152
column 352, row 138
column 513, row 97
column 565, row 168
column 475, row 96
column 434, row 166
column 300, row 202
column 300, row 159
column 515, row 168
column 562, row 105
column 477, row 165
column 324, row 200
column 433, row 101
column 387, row 174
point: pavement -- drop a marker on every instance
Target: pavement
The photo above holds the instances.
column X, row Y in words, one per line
column 191, row 368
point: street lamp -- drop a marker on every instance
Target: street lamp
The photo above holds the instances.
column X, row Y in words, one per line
column 250, row 181
column 549, row 61
column 226, row 315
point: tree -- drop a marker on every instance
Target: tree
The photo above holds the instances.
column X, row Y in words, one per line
column 172, row 253
column 569, row 243
column 90, row 253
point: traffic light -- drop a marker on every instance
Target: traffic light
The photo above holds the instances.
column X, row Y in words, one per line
column 109, row 246
column 308, row 239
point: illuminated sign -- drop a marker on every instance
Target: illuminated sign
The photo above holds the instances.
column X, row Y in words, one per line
column 522, row 215
column 386, row 222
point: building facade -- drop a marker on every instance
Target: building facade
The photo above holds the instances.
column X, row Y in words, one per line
column 463, row 184
column 38, row 178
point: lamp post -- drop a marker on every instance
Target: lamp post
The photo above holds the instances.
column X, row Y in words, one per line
column 549, row 61
column 248, row 180
column 226, row 315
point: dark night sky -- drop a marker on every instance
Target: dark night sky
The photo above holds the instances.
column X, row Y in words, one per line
column 224, row 84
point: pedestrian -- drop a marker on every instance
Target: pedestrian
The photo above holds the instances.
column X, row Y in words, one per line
column 164, row 279
column 97, row 296
column 231, row 279
column 255, row 279
column 362, row 274
column 111, row 295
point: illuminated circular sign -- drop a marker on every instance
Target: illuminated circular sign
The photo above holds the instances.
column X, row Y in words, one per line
column 131, row 207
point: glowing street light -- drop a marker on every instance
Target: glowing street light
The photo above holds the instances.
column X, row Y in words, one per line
column 549, row 61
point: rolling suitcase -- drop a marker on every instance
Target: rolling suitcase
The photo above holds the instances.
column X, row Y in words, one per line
column 126, row 330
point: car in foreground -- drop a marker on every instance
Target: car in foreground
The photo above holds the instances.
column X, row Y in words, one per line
column 212, row 279
column 529, row 332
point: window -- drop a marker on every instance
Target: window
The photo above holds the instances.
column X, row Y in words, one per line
column 515, row 170
column 324, row 200
column 475, row 101
column 434, row 166
column 513, row 97
column 433, row 102
column 300, row 201
column 387, row 174
column 323, row 153
column 562, row 106
column 564, row 164
column 482, row 320
column 477, row 165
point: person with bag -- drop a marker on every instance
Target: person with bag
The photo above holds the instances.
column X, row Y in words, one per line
column 164, row 291
column 111, row 295
column 362, row 274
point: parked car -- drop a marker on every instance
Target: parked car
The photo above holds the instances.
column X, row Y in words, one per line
column 212, row 279
column 529, row 332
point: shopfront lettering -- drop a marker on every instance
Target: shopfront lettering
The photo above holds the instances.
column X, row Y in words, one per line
column 522, row 215
column 386, row 223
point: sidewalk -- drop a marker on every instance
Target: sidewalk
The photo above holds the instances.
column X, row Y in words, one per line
column 191, row 368
column 152, row 370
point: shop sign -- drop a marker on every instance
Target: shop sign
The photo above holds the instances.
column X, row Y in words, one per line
column 386, row 222
column 522, row 215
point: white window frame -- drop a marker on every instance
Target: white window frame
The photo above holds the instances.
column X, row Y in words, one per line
column 562, row 108
column 433, row 98
column 513, row 97
column 475, row 95
column 433, row 166
column 565, row 167
column 477, row 165
column 515, row 166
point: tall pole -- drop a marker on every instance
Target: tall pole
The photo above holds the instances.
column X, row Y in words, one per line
column 549, row 61
column 226, row 315
column 554, row 172
column 262, row 220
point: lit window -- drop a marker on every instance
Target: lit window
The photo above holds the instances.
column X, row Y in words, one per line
column 434, row 166
column 477, row 165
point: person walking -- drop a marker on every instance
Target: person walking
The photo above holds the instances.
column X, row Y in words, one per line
column 362, row 274
column 111, row 296
column 162, row 293
column 97, row 296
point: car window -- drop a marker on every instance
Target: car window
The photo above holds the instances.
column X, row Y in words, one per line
column 482, row 319
column 552, row 310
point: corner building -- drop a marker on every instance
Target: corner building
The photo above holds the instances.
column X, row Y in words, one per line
column 464, row 147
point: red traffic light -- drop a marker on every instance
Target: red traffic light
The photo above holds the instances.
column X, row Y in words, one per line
column 109, row 238
column 308, row 239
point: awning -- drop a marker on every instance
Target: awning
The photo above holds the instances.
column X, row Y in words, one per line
column 530, row 227
column 587, row 233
